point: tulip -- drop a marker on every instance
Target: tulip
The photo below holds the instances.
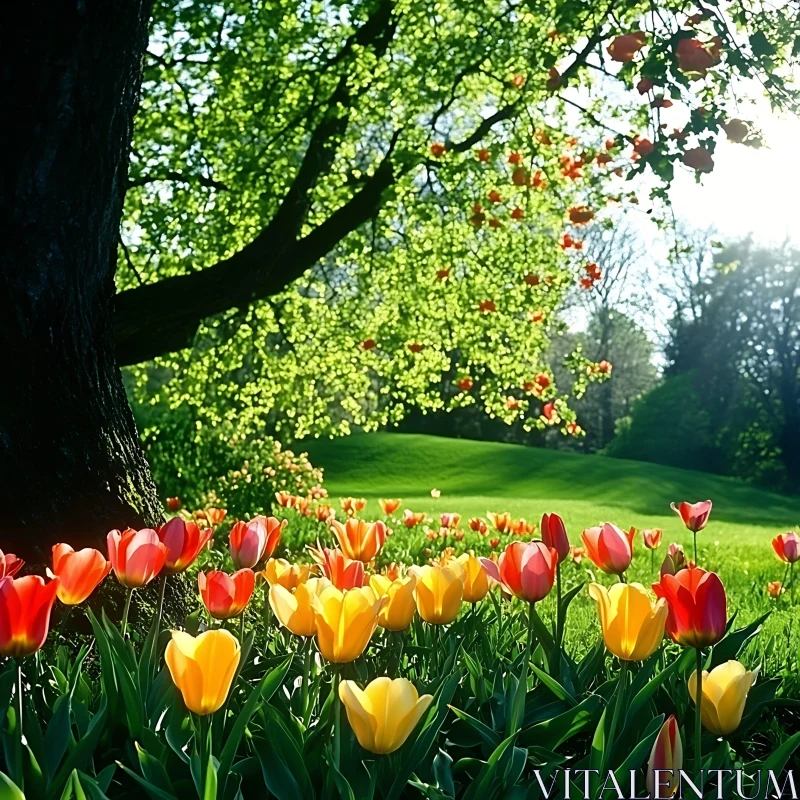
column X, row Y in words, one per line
column 383, row 715
column 184, row 541
column 450, row 520
column 438, row 592
column 694, row 515
column 554, row 534
column 389, row 506
column 294, row 609
column 775, row 589
column 202, row 667
column 525, row 570
column 633, row 626
column 400, row 607
column 25, row 606
column 10, row 565
column 250, row 542
column 215, row 516
column 345, row 621
column 136, row 556
column 724, row 692
column 478, row 525
column 359, row 540
column 666, row 757
column 411, row 519
column 652, row 538
column 341, row 571
column 226, row 596
column 79, row 574
column 787, row 547
column 476, row 578
column 697, row 607
column 173, row 503
column 499, row 521
column 352, row 505
column 278, row 571
column 577, row 553
column 609, row 547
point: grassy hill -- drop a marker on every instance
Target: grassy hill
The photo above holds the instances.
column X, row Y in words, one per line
column 476, row 477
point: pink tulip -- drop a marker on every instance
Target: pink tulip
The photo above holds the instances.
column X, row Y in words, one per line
column 609, row 547
column 787, row 547
column 694, row 515
column 525, row 570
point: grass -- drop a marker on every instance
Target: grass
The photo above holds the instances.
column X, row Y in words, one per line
column 476, row 477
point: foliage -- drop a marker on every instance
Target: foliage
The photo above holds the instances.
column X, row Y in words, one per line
column 303, row 209
column 734, row 376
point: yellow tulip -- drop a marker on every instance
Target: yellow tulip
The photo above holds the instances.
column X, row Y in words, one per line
column 633, row 626
column 476, row 583
column 202, row 667
column 438, row 592
column 399, row 610
column 345, row 621
column 293, row 609
column 290, row 576
column 384, row 714
column 725, row 691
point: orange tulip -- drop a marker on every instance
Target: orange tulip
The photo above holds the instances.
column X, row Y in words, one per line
column 412, row 519
column 775, row 589
column 389, row 506
column 215, row 515
column 358, row 539
column 184, row 541
column 501, row 522
column 136, row 556
column 609, row 547
column 226, row 596
column 652, row 538
column 344, row 573
column 25, row 606
column 79, row 574
column 250, row 542
column 10, row 565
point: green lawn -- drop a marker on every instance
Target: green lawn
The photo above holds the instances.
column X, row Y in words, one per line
column 476, row 477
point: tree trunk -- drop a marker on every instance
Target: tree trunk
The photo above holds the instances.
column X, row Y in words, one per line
column 70, row 459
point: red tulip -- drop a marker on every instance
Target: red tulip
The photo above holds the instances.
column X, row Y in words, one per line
column 251, row 542
column 554, row 534
column 173, row 503
column 226, row 596
column 525, row 570
column 136, row 556
column 184, row 541
column 344, row 573
column 25, row 605
column 450, row 520
column 79, row 574
column 10, row 565
column 609, row 547
column 652, row 538
column 787, row 547
column 694, row 515
column 697, row 607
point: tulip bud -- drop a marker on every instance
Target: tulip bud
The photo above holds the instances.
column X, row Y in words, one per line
column 136, row 556
column 226, row 596
column 383, row 715
column 184, row 541
column 202, row 667
column 666, row 761
column 527, row 571
column 438, row 592
column 609, row 547
column 633, row 626
column 652, row 538
column 725, row 691
column 554, row 534
column 694, row 515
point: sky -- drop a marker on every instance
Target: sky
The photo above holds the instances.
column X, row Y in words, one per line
column 750, row 190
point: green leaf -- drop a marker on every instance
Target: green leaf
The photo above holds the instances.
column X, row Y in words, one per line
column 153, row 791
column 559, row 729
column 210, row 783
column 484, row 731
column 489, row 770
column 58, row 735
column 8, row 789
column 553, row 685
column 282, row 763
column 154, row 771
column 730, row 647
column 263, row 692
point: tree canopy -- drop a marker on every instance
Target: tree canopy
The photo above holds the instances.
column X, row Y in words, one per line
column 336, row 208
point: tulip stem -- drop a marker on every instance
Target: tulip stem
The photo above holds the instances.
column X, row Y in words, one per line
column 694, row 534
column 126, row 612
column 698, row 757
column 559, row 621
column 337, row 716
column 652, row 560
column 622, row 688
column 518, row 708
column 241, row 625
column 306, row 679
column 18, row 741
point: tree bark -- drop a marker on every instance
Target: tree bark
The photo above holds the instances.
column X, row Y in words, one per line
column 70, row 460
